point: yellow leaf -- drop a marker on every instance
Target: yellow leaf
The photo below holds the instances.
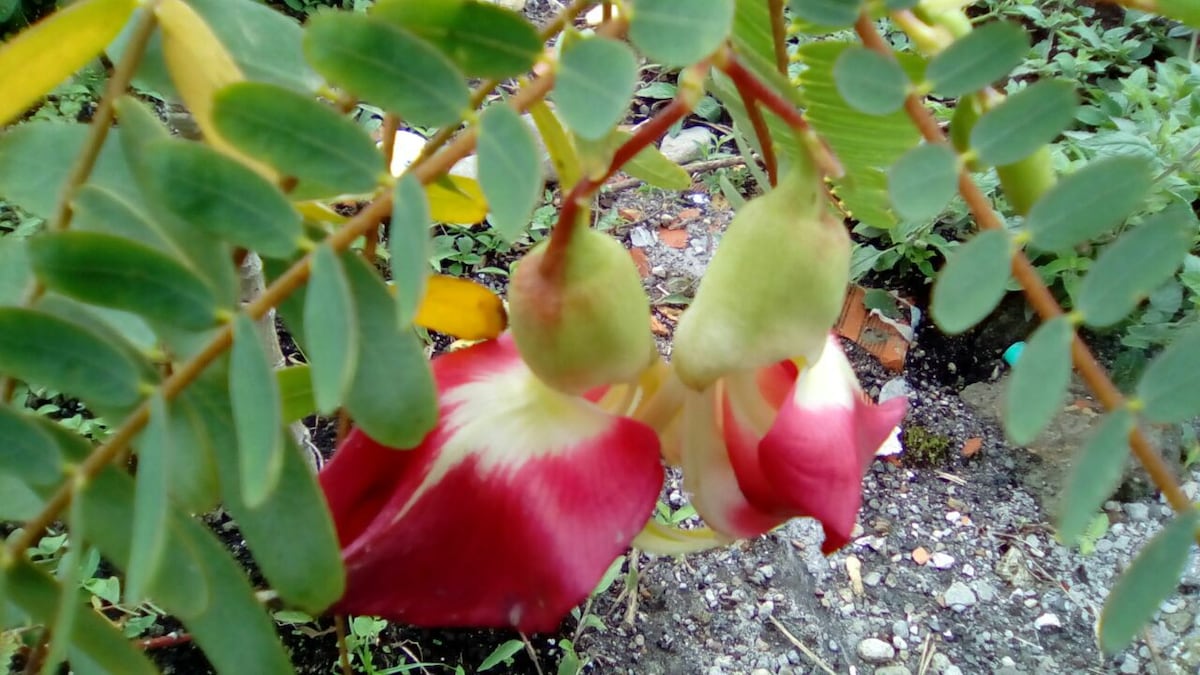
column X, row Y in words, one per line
column 34, row 62
column 558, row 145
column 456, row 199
column 461, row 308
column 200, row 66
column 319, row 212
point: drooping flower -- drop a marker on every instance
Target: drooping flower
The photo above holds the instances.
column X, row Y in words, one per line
column 509, row 511
column 775, row 424
column 763, row 446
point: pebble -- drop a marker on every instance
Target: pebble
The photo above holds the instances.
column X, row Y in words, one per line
column 688, row 145
column 874, row 650
column 893, row 670
column 1138, row 512
column 959, row 596
column 1130, row 665
column 942, row 561
column 1047, row 621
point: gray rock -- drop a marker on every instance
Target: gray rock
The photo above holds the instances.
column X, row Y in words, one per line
column 874, row 650
column 1130, row 665
column 1178, row 622
column 688, row 145
column 1012, row 568
column 1137, row 512
column 893, row 670
column 959, row 596
column 1059, row 444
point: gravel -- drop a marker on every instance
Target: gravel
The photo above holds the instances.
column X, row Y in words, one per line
column 996, row 594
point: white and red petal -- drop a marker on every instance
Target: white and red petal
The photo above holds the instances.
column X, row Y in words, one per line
column 709, row 475
column 822, row 442
column 506, row 515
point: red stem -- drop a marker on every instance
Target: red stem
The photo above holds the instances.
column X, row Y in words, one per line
column 553, row 263
column 759, row 123
column 162, row 641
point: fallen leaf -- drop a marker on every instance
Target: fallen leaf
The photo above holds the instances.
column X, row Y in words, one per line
column 642, row 262
column 854, row 569
column 658, row 327
column 630, row 215
column 673, row 238
column 688, row 214
column 971, row 446
column 671, row 314
column 920, row 555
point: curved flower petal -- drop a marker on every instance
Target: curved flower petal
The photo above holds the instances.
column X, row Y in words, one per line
column 822, row 442
column 509, row 511
column 709, row 474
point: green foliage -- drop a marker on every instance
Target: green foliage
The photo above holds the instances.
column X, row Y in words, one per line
column 144, row 276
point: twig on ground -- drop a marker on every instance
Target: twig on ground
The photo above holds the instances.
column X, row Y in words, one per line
column 812, row 656
column 692, row 169
column 537, row 665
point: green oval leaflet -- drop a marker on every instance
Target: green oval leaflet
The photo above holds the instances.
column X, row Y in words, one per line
column 596, row 77
column 1028, row 120
column 923, row 181
column 1039, row 381
column 978, row 59
column 510, row 170
column 331, row 329
column 870, row 82
column 215, row 193
column 972, row 282
column 677, row 33
column 381, row 62
column 300, row 137
column 481, row 38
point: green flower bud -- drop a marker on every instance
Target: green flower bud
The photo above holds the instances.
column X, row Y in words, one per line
column 593, row 328
column 773, row 289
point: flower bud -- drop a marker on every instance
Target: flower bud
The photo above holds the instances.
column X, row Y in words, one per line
column 590, row 326
column 773, row 289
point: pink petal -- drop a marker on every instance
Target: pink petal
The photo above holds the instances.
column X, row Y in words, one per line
column 709, row 475
column 507, row 514
column 822, row 442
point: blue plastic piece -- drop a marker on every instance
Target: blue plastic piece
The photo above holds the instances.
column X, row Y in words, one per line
column 1013, row 353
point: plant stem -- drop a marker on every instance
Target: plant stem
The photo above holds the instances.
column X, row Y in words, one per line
column 553, row 263
column 1038, row 295
column 277, row 292
column 778, row 35
column 748, row 84
column 339, row 622
column 761, row 131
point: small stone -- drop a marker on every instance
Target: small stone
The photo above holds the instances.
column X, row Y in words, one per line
column 1130, row 665
column 760, row 671
column 1137, row 512
column 920, row 555
column 874, row 650
column 893, row 670
column 688, row 145
column 900, row 627
column 1047, row 621
column 872, row 579
column 942, row 561
column 959, row 596
column 1178, row 622
column 952, row 670
column 939, row 663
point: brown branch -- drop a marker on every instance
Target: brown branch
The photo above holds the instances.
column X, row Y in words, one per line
column 1037, row 293
column 761, row 131
column 339, row 623
column 277, row 292
column 778, row 35
column 749, row 84
column 162, row 641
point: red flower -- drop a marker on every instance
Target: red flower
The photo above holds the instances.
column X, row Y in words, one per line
column 761, row 447
column 507, row 513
